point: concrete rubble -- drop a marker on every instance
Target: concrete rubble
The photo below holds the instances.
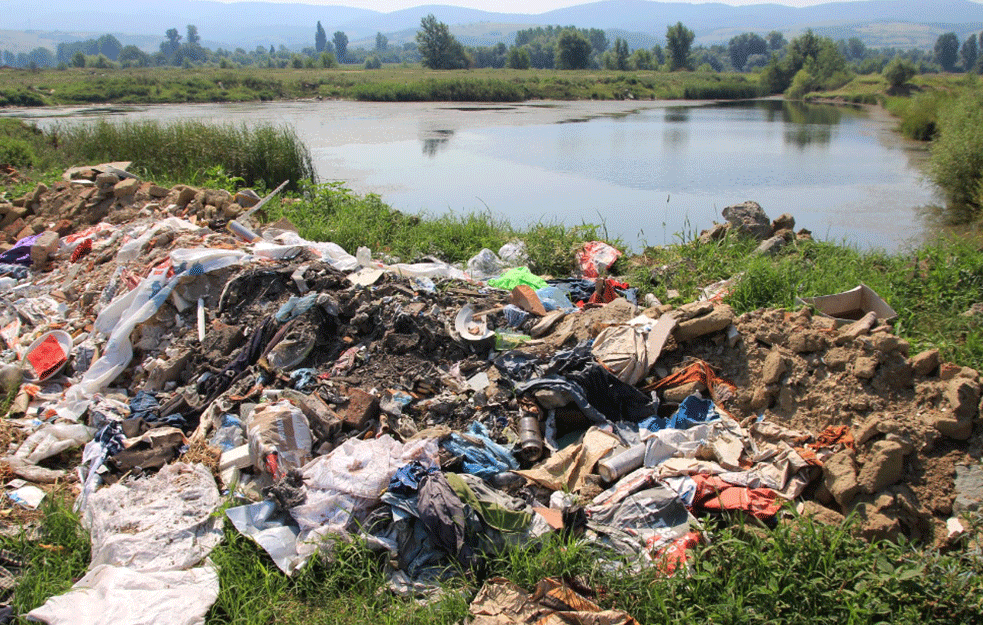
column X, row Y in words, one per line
column 330, row 393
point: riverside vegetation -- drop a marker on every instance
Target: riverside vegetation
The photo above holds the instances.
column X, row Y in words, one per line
column 796, row 572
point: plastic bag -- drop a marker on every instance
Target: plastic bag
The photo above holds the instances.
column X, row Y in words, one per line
column 595, row 257
column 485, row 264
column 280, row 429
column 53, row 439
column 516, row 276
column 514, row 254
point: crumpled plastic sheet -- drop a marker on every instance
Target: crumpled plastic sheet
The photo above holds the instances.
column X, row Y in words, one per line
column 108, row 440
column 111, row 595
column 52, row 439
column 282, row 429
column 158, row 523
column 721, row 439
column 271, row 529
column 484, row 265
column 479, row 454
column 595, row 257
column 693, row 410
column 628, row 351
column 343, row 486
column 286, row 244
column 412, row 270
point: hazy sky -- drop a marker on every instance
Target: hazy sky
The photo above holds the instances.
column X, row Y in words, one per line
column 510, row 6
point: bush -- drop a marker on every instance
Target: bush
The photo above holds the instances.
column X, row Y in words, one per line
column 17, row 153
column 956, row 163
column 898, row 72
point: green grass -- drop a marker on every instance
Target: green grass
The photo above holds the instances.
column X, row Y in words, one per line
column 798, row 572
column 54, row 559
column 264, row 155
column 390, row 84
column 332, row 212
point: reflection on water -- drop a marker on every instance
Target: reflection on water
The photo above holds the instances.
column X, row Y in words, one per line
column 437, row 141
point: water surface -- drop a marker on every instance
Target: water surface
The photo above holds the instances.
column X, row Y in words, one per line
column 648, row 172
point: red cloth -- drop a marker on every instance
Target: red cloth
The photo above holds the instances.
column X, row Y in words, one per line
column 712, row 493
column 607, row 291
column 81, row 250
column 47, row 357
column 673, row 556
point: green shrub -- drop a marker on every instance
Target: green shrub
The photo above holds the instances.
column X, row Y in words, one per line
column 956, row 163
column 17, row 153
column 898, row 72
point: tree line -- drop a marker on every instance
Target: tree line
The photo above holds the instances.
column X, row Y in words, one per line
column 542, row 47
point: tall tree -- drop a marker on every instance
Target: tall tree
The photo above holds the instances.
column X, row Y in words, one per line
column 776, row 41
column 573, row 50
column 969, row 52
column 170, row 47
column 947, row 51
column 193, row 37
column 437, row 46
column 340, row 40
column 110, row 46
column 320, row 38
column 742, row 46
column 518, row 58
column 621, row 54
column 598, row 40
column 381, row 42
column 679, row 39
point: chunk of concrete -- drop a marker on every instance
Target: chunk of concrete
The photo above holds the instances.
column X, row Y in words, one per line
column 840, row 477
column 716, row 320
column 774, row 367
column 926, row 363
column 126, row 188
column 884, row 467
column 969, row 488
column 362, row 408
column 963, row 394
column 748, row 218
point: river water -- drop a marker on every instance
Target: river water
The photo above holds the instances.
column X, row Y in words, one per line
column 649, row 173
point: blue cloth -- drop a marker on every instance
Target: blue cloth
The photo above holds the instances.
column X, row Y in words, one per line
column 514, row 316
column 693, row 411
column 479, row 454
column 145, row 406
column 303, row 379
column 405, row 482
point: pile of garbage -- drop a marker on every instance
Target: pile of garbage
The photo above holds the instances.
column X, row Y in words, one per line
column 440, row 412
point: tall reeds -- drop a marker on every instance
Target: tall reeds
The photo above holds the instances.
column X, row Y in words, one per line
column 263, row 154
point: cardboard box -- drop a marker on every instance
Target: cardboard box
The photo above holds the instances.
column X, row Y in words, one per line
column 850, row 306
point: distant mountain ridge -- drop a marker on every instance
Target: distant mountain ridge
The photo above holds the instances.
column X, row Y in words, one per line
column 248, row 24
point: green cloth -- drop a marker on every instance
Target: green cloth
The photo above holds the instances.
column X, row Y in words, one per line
column 516, row 276
column 494, row 514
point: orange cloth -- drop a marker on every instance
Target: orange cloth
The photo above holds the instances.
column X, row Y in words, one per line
column 712, row 493
column 699, row 371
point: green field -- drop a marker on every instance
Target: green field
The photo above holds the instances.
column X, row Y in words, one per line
column 209, row 84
